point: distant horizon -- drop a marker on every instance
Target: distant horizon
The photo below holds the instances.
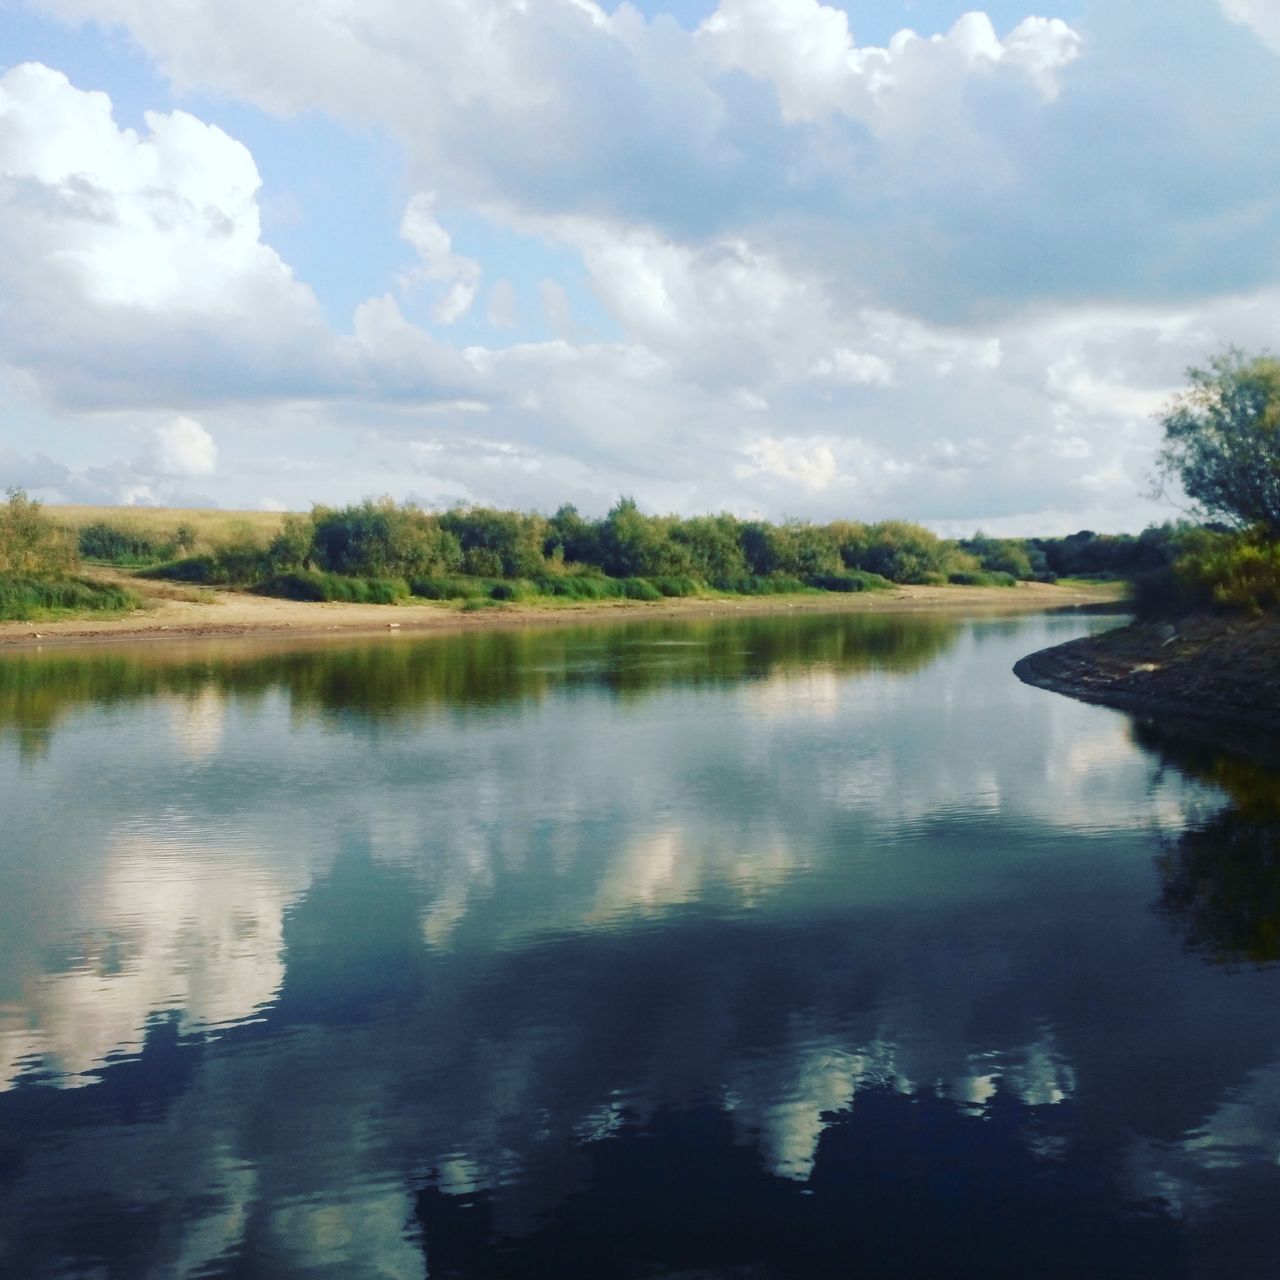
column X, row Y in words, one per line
column 763, row 256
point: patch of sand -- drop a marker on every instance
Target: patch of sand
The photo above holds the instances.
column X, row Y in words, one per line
column 177, row 612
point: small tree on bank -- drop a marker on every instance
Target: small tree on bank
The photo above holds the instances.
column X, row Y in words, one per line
column 1222, row 440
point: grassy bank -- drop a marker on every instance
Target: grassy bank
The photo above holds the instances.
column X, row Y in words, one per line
column 32, row 600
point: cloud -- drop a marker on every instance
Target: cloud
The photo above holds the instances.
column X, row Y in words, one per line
column 805, row 50
column 556, row 307
column 437, row 261
column 1261, row 15
column 126, row 258
column 950, row 277
column 502, row 305
column 183, row 448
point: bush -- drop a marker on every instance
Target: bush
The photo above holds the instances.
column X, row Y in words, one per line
column 120, row 544
column 31, row 545
column 981, row 578
column 640, row 589
column 451, row 588
column 857, row 580
column 305, row 585
column 676, row 586
column 23, row 598
column 1232, row 571
column 754, row 584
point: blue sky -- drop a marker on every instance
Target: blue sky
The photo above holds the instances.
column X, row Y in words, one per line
column 771, row 256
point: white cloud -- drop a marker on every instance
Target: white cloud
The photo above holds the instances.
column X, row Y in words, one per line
column 183, row 448
column 855, row 367
column 813, row 468
column 123, row 257
column 806, row 51
column 438, row 262
column 956, row 275
column 1262, row 15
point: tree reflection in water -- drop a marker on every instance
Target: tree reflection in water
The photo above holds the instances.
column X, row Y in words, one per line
column 1220, row 878
column 904, row 1185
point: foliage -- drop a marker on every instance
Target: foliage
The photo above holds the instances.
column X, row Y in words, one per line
column 1009, row 556
column 981, row 578
column 1222, row 440
column 122, row 543
column 31, row 545
column 497, row 544
column 24, row 598
column 376, row 538
column 311, row 584
column 1238, row 572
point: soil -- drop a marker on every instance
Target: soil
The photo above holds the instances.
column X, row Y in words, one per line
column 1205, row 667
column 173, row 611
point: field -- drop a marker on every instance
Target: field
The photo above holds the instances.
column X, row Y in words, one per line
column 210, row 527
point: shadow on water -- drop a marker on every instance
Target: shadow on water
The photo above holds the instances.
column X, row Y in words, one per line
column 403, row 677
column 903, row 1185
column 1220, row 877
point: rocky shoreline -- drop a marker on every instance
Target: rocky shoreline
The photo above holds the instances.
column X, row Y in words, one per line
column 1224, row 670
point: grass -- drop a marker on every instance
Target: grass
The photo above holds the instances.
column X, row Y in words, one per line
column 1117, row 587
column 28, row 599
column 310, row 585
column 139, row 536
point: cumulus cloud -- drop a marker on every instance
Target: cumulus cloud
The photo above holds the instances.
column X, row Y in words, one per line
column 183, row 448
column 806, row 51
column 125, row 257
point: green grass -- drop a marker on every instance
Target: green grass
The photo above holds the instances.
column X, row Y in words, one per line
column 26, row 599
column 309, row 585
column 1118, row 587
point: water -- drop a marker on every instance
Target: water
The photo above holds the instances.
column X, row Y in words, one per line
column 782, row 947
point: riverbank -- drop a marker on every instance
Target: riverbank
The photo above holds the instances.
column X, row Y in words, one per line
column 1220, row 669
column 171, row 611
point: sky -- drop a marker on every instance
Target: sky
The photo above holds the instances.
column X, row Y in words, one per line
column 783, row 258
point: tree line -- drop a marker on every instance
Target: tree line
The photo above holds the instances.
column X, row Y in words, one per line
column 467, row 551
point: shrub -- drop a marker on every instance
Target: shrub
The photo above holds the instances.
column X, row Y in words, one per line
column 640, row 589
column 311, row 585
column 981, row 578
column 676, row 586
column 23, row 598
column 30, row 544
column 121, row 544
column 1234, row 571
column 754, row 584
column 857, row 580
column 451, row 588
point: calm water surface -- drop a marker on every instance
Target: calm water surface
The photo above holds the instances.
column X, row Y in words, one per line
column 786, row 947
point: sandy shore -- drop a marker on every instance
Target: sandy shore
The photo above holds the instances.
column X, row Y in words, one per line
column 174, row 612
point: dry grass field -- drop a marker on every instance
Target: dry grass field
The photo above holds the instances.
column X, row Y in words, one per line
column 211, row 527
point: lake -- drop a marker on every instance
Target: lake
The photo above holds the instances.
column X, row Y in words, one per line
column 785, row 946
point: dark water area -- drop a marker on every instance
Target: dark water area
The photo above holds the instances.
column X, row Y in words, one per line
column 781, row 947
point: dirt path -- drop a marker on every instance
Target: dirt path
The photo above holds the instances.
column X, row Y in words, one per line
column 173, row 611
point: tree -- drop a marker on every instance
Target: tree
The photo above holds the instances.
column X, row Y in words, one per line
column 1222, row 440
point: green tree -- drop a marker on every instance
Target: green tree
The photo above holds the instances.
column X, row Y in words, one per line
column 1222, row 440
